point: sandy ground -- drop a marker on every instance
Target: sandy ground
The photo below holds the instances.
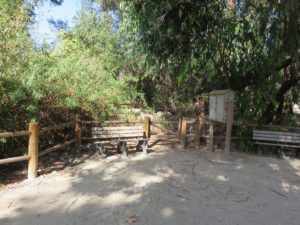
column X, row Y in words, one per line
column 169, row 186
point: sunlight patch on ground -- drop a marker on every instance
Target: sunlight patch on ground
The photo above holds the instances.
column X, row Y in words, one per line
column 295, row 164
column 222, row 178
column 120, row 198
column 239, row 167
column 274, row 166
column 113, row 170
column 285, row 186
column 142, row 180
column 167, row 212
column 92, row 165
column 290, row 185
column 139, row 156
column 164, row 171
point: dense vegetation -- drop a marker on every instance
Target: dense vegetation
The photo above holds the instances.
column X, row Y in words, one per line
column 159, row 54
column 251, row 47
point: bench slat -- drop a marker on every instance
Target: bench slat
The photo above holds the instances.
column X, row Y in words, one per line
column 121, row 132
column 267, row 143
column 277, row 139
column 276, row 135
column 97, row 129
column 130, row 141
column 113, row 134
column 263, row 132
column 117, row 136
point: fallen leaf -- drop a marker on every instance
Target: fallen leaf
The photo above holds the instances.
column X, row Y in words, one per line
column 260, row 205
column 243, row 200
column 182, row 197
column 133, row 219
column 9, row 205
column 278, row 193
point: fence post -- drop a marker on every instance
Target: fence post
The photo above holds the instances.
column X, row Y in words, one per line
column 78, row 134
column 179, row 128
column 147, row 130
column 229, row 126
column 198, row 129
column 211, row 136
column 33, row 150
column 183, row 131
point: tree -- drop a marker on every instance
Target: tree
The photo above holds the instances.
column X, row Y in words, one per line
column 87, row 70
column 210, row 45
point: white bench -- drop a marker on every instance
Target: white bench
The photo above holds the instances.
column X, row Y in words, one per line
column 277, row 138
column 121, row 136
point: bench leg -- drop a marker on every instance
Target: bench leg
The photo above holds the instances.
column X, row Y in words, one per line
column 145, row 147
column 101, row 150
column 119, row 149
column 258, row 150
column 297, row 153
column 280, row 153
column 142, row 145
column 122, row 148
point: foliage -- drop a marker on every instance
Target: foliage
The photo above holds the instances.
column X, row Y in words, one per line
column 165, row 54
column 199, row 46
column 84, row 72
column 14, row 41
column 88, row 72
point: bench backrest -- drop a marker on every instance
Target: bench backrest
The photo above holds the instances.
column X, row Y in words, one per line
column 110, row 132
column 276, row 136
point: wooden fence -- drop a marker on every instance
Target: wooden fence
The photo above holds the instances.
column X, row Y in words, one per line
column 184, row 136
column 183, row 124
column 34, row 133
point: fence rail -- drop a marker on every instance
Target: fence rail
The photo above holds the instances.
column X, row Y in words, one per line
column 34, row 134
column 57, row 147
column 57, row 127
column 14, row 134
column 14, row 159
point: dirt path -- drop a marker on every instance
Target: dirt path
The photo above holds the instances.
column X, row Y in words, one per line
column 166, row 187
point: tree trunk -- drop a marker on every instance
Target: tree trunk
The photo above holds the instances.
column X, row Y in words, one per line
column 271, row 112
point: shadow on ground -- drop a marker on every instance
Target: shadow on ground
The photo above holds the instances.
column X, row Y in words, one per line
column 169, row 186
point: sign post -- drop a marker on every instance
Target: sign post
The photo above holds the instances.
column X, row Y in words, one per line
column 221, row 109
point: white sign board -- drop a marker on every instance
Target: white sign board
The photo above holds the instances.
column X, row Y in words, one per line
column 218, row 105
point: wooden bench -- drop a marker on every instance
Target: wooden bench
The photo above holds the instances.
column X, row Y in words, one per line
column 277, row 138
column 119, row 136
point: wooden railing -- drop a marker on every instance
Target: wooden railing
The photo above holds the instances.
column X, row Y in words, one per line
column 182, row 130
column 34, row 133
column 14, row 134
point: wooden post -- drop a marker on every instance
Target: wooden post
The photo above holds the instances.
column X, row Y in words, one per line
column 147, row 130
column 230, row 112
column 183, row 131
column 33, row 150
column 179, row 128
column 78, row 134
column 211, row 135
column 198, row 129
